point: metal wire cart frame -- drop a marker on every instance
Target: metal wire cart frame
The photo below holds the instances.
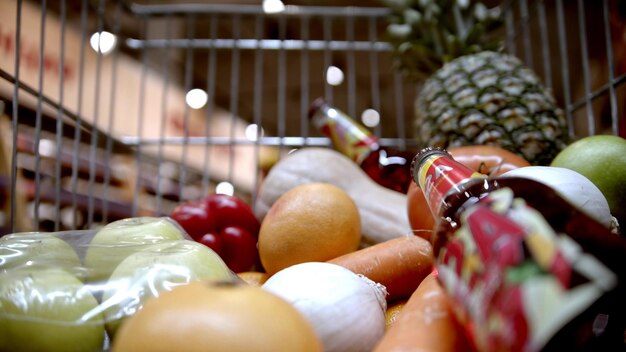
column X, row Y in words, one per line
column 87, row 138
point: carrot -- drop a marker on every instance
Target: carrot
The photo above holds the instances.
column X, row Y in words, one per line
column 425, row 323
column 399, row 264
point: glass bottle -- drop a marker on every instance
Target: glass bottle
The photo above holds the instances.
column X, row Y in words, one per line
column 388, row 167
column 527, row 271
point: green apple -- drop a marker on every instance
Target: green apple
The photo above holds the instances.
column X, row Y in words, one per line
column 48, row 309
column 119, row 239
column 158, row 267
column 37, row 249
column 602, row 159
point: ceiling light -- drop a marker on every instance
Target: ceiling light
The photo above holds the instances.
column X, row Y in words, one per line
column 196, row 98
column 334, row 76
column 47, row 147
column 103, row 42
column 225, row 188
column 253, row 132
column 273, row 6
column 370, row 118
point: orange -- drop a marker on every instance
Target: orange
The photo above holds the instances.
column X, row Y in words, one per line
column 216, row 317
column 312, row 222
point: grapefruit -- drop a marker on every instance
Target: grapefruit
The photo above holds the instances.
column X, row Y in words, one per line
column 311, row 222
column 203, row 316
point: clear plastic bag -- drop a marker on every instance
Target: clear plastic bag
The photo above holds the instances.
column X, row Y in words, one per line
column 71, row 290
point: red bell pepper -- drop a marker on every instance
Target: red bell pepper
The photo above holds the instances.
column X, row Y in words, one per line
column 224, row 223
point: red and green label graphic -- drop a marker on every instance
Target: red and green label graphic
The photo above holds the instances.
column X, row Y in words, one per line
column 513, row 276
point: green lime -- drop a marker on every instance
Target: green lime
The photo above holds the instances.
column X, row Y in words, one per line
column 602, row 159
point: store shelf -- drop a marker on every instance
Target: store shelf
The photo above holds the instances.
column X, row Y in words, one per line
column 58, row 174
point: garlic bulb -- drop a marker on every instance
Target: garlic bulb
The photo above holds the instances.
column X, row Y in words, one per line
column 571, row 185
column 346, row 310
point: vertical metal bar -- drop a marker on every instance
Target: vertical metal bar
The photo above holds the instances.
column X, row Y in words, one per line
column 591, row 126
column 282, row 74
column 525, row 22
column 79, row 106
column 182, row 180
column 42, row 40
column 545, row 48
column 352, row 92
column 397, row 86
column 560, row 19
column 374, row 71
column 166, row 82
column 93, row 147
column 328, row 57
column 109, row 140
column 234, row 92
column 59, row 122
column 305, row 67
column 510, row 32
column 213, row 22
column 140, row 120
column 258, row 98
column 14, row 121
column 611, row 67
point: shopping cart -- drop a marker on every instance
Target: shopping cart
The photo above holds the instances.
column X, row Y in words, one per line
column 89, row 137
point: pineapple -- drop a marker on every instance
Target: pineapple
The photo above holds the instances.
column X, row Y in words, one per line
column 472, row 93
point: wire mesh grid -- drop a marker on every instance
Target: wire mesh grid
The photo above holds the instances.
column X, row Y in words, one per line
column 89, row 138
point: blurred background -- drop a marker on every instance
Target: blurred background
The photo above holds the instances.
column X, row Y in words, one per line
column 116, row 108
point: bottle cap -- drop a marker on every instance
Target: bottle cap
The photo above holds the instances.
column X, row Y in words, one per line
column 315, row 106
column 422, row 155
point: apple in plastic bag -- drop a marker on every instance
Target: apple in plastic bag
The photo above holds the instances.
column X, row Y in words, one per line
column 119, row 239
column 157, row 268
column 48, row 309
column 37, row 249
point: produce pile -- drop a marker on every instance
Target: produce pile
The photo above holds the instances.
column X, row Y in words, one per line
column 325, row 259
column 328, row 260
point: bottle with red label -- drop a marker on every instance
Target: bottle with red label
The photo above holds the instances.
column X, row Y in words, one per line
column 527, row 270
column 388, row 167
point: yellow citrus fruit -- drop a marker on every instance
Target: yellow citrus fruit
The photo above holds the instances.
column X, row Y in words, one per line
column 203, row 316
column 254, row 278
column 312, row 222
column 392, row 312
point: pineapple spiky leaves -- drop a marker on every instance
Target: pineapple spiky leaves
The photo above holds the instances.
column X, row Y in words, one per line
column 472, row 94
column 426, row 34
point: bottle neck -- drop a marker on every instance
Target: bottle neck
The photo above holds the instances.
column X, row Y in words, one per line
column 439, row 176
column 348, row 136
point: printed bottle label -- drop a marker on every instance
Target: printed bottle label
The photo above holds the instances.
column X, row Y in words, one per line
column 348, row 137
column 515, row 280
column 439, row 175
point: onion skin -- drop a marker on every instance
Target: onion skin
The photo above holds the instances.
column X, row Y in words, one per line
column 346, row 310
column 571, row 185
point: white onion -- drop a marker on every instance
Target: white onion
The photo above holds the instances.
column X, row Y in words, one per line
column 571, row 185
column 346, row 310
